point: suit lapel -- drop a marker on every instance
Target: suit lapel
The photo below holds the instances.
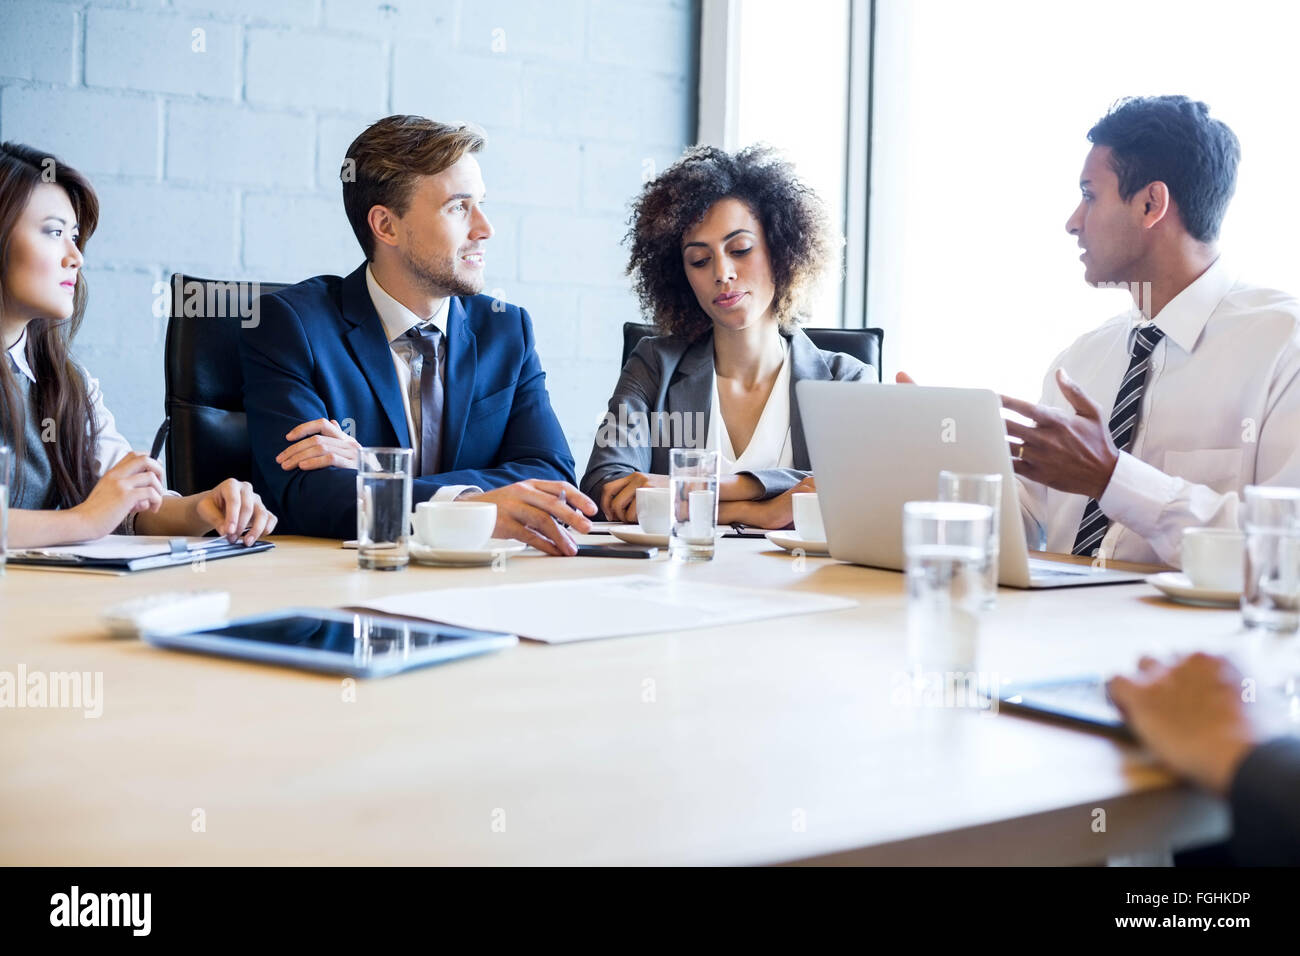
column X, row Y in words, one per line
column 462, row 364
column 691, row 389
column 369, row 346
column 806, row 362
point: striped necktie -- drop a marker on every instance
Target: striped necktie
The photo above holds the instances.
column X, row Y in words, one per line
column 1123, row 425
column 426, row 339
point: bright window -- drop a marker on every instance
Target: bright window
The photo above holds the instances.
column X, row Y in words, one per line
column 981, row 116
column 792, row 93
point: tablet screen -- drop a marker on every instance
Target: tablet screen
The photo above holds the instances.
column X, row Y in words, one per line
column 360, row 636
column 361, row 644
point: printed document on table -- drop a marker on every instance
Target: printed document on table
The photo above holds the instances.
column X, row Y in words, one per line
column 587, row 608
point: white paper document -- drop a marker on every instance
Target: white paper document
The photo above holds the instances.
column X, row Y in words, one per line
column 584, row 609
column 126, row 547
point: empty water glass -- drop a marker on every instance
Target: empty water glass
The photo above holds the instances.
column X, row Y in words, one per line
column 383, row 508
column 1271, row 598
column 945, row 547
column 979, row 490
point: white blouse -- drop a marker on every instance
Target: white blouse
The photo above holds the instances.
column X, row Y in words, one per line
column 770, row 446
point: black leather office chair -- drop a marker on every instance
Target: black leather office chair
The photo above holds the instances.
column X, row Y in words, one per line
column 865, row 345
column 205, row 433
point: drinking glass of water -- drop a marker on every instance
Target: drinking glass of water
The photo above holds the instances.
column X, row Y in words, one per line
column 693, row 491
column 945, row 547
column 979, row 490
column 6, row 464
column 383, row 508
column 1271, row 598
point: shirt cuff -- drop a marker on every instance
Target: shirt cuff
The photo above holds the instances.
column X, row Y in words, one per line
column 1137, row 495
column 452, row 492
column 767, row 487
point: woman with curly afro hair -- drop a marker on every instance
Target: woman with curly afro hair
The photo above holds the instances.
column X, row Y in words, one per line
column 726, row 250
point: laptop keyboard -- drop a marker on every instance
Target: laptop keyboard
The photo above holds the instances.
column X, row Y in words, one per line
column 1040, row 568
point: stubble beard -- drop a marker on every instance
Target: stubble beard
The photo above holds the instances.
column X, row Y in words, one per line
column 440, row 278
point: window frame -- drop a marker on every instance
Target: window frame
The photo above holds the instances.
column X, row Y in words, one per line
column 717, row 125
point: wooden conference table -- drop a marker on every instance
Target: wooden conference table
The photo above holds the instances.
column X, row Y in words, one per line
column 778, row 741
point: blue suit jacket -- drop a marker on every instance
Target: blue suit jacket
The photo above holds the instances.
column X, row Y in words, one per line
column 319, row 350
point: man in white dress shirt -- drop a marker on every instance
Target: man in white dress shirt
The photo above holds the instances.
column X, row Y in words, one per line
column 1157, row 420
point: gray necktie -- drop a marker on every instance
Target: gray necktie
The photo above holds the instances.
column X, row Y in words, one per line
column 427, row 340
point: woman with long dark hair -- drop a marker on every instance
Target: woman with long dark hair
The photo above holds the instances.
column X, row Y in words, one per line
column 74, row 477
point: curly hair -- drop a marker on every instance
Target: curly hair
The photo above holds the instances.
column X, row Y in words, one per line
column 801, row 244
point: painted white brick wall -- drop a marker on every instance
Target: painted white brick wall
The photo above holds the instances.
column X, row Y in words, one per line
column 37, row 41
column 162, row 52
column 214, row 129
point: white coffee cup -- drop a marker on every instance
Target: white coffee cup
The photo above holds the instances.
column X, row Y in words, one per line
column 653, row 510
column 701, row 512
column 1214, row 558
column 455, row 525
column 808, row 516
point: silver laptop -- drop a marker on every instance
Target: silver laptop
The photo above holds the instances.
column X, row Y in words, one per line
column 874, row 447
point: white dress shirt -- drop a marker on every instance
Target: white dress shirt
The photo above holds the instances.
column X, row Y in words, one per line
column 770, row 445
column 398, row 320
column 1220, row 411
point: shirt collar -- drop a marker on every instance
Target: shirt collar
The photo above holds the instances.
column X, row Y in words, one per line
column 397, row 318
column 19, row 354
column 1185, row 315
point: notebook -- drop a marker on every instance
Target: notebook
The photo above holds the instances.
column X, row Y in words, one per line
column 124, row 553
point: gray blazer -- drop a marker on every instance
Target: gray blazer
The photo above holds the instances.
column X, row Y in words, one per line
column 662, row 402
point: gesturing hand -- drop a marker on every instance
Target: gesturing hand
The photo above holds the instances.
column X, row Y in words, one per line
column 1073, row 453
column 319, row 444
column 1191, row 715
column 528, row 511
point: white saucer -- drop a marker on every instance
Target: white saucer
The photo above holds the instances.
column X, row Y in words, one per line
column 462, row 557
column 1177, row 587
column 632, row 534
column 792, row 542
